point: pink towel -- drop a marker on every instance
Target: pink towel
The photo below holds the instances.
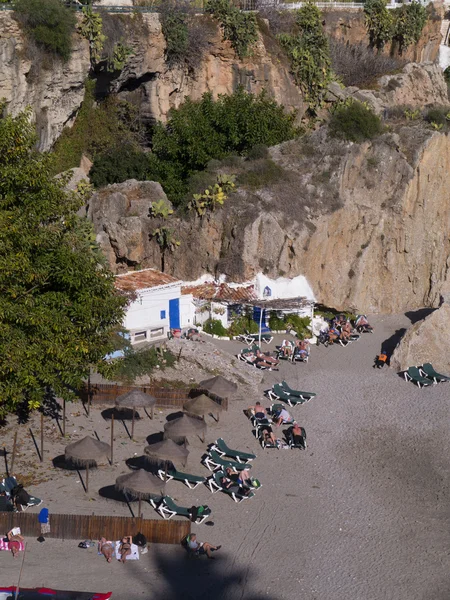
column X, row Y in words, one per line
column 4, row 544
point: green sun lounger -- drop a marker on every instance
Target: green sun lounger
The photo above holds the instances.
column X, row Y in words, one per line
column 413, row 374
column 223, row 450
column 168, row 509
column 427, row 370
column 304, row 395
column 279, row 393
column 214, row 461
column 214, row 484
column 192, row 481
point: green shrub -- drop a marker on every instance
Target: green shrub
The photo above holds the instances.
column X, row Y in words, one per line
column 176, row 33
column 137, row 363
column 239, row 28
column 299, row 324
column 379, row 22
column 257, row 152
column 309, row 54
column 355, row 122
column 276, row 323
column 437, row 115
column 261, row 173
column 49, row 23
column 119, row 164
column 215, row 327
column 243, row 324
column 409, row 21
column 97, row 128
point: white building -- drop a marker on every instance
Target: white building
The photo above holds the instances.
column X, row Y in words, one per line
column 157, row 305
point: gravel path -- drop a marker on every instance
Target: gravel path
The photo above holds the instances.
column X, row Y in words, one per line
column 362, row 514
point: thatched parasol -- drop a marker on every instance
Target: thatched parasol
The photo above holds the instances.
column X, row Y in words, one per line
column 167, row 451
column 220, row 386
column 86, row 453
column 202, row 406
column 141, row 485
column 183, row 427
column 135, row 399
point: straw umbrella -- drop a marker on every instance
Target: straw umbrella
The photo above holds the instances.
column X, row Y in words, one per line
column 183, row 427
column 140, row 484
column 136, row 399
column 219, row 385
column 202, row 406
column 86, row 453
column 167, row 452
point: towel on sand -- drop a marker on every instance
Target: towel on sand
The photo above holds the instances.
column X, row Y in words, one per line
column 4, row 544
column 134, row 551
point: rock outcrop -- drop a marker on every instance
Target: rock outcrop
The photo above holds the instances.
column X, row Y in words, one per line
column 426, row 341
column 55, row 91
column 367, row 224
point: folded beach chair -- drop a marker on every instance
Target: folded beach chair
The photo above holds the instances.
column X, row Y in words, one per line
column 192, row 481
column 214, row 461
column 214, row 484
column 428, row 371
column 413, row 374
column 223, row 450
column 304, row 395
column 168, row 509
column 290, row 439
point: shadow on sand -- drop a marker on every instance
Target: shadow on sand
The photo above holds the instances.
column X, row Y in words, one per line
column 390, row 344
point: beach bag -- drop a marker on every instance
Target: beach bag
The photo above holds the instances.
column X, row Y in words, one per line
column 84, row 544
column 140, row 540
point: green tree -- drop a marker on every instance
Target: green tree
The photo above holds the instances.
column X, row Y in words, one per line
column 49, row 22
column 355, row 122
column 91, row 27
column 238, row 27
column 379, row 22
column 309, row 54
column 58, row 304
column 409, row 21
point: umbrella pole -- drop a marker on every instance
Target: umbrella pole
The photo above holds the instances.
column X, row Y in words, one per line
column 42, row 437
column 64, row 418
column 13, row 452
column 132, row 425
column 87, row 478
column 112, row 437
column 153, row 412
column 140, row 503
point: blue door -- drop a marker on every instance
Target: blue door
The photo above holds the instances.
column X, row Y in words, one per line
column 257, row 317
column 174, row 314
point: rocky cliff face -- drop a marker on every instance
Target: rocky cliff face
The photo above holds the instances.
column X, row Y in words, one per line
column 54, row 90
column 368, row 224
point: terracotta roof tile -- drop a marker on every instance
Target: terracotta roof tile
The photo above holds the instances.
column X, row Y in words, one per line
column 220, row 291
column 139, row 280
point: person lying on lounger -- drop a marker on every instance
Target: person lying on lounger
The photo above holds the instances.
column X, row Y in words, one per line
column 302, row 348
column 270, row 360
column 268, row 435
column 297, row 434
column 106, row 548
column 125, row 548
column 242, row 478
column 286, row 348
column 282, row 417
column 201, row 547
column 258, row 411
column 346, row 331
column 233, row 486
column 333, row 334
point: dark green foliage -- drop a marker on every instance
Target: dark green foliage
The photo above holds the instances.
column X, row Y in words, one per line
column 49, row 23
column 309, row 54
column 58, row 305
column 198, row 132
column 438, row 115
column 299, row 325
column 137, row 363
column 409, row 21
column 257, row 152
column 98, row 128
column 215, row 327
column 355, row 123
column 119, row 164
column 379, row 22
column 239, row 28
column 176, row 33
column 276, row 323
column 243, row 324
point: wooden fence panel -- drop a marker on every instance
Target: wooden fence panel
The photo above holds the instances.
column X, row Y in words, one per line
column 93, row 527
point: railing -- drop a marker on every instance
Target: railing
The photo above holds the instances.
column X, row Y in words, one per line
column 93, row 527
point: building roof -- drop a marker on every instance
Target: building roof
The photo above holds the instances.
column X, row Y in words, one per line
column 142, row 280
column 221, row 292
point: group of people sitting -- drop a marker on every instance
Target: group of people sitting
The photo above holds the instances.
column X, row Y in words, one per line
column 278, row 418
column 191, row 334
column 340, row 330
column 259, row 359
column 294, row 350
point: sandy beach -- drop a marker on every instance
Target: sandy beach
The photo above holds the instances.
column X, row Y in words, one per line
column 362, row 514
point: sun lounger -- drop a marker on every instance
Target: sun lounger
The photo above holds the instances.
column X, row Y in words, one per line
column 214, row 484
column 264, row 443
column 413, row 374
column 279, row 393
column 214, row 461
column 192, row 481
column 168, row 509
column 428, row 371
column 223, row 450
column 290, row 439
column 304, row 395
column 248, row 338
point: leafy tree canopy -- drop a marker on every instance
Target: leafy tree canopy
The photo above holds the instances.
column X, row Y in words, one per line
column 58, row 305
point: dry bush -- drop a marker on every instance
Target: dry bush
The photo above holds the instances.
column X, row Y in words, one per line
column 358, row 64
column 280, row 21
column 123, row 29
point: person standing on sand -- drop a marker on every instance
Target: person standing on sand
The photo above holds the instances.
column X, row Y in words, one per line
column 105, row 547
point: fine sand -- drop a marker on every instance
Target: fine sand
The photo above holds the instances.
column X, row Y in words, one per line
column 362, row 514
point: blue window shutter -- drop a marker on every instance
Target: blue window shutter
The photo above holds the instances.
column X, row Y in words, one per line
column 163, row 314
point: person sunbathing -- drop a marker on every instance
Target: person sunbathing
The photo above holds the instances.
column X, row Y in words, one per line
column 333, row 334
column 302, row 348
column 125, row 548
column 266, row 359
column 297, row 434
column 14, row 540
column 346, row 332
column 201, row 547
column 106, row 548
column 268, row 436
column 282, row 417
column 231, row 485
column 258, row 411
column 286, row 348
column 243, row 478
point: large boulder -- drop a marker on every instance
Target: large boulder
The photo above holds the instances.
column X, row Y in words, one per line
column 427, row 340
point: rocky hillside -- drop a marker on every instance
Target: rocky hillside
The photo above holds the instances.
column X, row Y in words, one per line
column 368, row 224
